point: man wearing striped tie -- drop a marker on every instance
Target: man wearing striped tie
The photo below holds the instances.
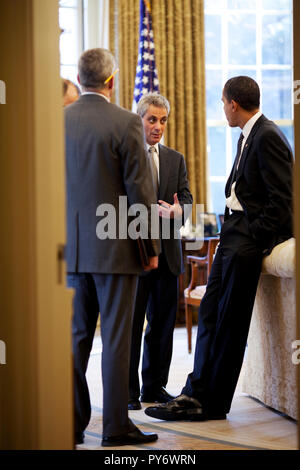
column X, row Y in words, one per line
column 157, row 292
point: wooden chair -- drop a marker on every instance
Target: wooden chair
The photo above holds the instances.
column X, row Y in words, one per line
column 194, row 293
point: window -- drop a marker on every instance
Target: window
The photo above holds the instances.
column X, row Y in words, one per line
column 245, row 37
column 71, row 39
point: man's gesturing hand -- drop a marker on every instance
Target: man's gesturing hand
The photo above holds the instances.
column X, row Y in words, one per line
column 168, row 211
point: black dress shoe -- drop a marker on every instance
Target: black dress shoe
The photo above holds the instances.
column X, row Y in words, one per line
column 160, row 396
column 134, row 437
column 182, row 408
column 134, row 404
column 79, row 438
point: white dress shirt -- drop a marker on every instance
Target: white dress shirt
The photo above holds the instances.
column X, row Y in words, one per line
column 94, row 93
column 232, row 201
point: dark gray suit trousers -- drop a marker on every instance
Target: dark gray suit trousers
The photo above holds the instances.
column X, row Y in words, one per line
column 114, row 296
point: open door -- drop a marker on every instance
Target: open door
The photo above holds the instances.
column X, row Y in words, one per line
column 36, row 409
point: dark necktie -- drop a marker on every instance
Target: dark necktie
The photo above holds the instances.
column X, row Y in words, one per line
column 153, row 168
column 235, row 165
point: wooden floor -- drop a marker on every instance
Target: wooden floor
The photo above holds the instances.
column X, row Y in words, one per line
column 250, row 425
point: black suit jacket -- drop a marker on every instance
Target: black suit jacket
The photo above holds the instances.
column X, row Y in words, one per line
column 106, row 158
column 173, row 179
column 264, row 184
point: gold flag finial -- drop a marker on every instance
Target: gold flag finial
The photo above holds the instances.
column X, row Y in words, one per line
column 147, row 5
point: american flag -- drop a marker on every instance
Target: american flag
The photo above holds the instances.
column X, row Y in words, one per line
column 146, row 80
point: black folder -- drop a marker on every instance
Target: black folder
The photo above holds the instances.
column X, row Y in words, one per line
column 144, row 256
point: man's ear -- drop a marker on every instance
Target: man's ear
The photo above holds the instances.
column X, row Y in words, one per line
column 234, row 106
column 111, row 83
column 78, row 79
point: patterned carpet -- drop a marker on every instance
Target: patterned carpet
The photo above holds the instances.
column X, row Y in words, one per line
column 172, row 436
column 250, row 425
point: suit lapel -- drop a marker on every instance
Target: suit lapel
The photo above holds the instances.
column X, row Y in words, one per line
column 248, row 143
column 228, row 187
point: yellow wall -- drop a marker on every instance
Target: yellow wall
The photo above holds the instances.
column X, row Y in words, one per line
column 35, row 383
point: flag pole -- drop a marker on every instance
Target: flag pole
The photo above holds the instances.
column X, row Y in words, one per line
column 146, row 79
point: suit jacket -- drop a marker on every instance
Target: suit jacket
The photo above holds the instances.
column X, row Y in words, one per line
column 264, row 184
column 173, row 179
column 105, row 159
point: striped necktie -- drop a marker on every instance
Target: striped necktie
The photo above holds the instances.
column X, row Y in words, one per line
column 151, row 151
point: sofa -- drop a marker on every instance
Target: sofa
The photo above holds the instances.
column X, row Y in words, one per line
column 269, row 373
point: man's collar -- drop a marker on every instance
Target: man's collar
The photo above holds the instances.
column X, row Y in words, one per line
column 94, row 93
column 155, row 146
column 249, row 124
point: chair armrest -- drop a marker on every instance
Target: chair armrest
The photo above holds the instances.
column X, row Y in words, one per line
column 202, row 261
column 199, row 260
column 196, row 262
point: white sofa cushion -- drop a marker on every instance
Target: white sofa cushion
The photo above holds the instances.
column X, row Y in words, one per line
column 281, row 261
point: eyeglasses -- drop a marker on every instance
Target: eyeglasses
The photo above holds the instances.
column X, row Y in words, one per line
column 111, row 76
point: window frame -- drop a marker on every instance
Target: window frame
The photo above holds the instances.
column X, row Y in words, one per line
column 79, row 7
column 224, row 67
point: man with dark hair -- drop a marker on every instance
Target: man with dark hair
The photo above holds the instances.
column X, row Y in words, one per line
column 106, row 161
column 157, row 293
column 258, row 216
column 244, row 91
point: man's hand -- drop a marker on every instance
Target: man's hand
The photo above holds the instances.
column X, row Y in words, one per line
column 168, row 211
column 153, row 263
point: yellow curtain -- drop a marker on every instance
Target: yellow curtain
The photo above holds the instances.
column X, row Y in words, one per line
column 124, row 40
column 178, row 27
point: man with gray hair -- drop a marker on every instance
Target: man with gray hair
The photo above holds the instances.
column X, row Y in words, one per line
column 106, row 162
column 158, row 290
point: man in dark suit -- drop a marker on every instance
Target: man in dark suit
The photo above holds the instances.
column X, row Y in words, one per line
column 158, row 290
column 106, row 163
column 258, row 216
